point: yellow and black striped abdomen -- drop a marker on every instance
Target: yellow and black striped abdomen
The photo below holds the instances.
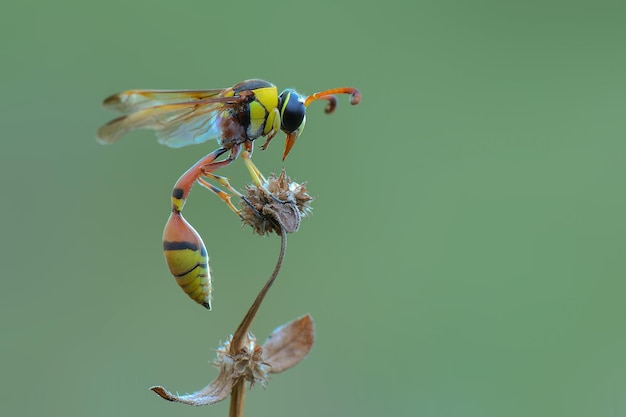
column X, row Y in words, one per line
column 187, row 259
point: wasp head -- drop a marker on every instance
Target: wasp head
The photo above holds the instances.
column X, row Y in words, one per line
column 292, row 116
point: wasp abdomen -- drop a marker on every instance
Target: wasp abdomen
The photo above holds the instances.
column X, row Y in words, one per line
column 187, row 259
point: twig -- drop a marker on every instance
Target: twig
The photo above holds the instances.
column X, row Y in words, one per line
column 243, row 328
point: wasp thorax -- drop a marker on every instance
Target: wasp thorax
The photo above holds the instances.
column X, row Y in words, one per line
column 292, row 111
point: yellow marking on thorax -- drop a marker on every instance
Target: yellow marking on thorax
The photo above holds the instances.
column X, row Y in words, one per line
column 261, row 114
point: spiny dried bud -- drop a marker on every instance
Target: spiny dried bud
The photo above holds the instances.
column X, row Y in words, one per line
column 277, row 201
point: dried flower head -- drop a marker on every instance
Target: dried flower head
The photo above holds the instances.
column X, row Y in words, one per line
column 277, row 201
column 284, row 348
column 246, row 363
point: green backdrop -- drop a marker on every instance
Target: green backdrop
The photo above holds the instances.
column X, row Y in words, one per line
column 465, row 256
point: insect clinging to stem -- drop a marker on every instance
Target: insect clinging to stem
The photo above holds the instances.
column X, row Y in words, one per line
column 235, row 117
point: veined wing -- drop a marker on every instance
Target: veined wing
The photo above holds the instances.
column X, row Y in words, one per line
column 134, row 100
column 177, row 125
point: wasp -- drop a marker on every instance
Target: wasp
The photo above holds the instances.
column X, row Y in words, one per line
column 235, row 117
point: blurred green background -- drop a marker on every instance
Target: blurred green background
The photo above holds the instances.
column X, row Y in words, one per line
column 465, row 256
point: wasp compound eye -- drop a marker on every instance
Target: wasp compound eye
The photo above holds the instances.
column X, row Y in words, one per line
column 292, row 111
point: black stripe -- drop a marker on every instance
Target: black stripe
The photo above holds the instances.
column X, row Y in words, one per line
column 185, row 273
column 251, row 85
column 243, row 116
column 167, row 245
column 178, row 193
column 219, row 152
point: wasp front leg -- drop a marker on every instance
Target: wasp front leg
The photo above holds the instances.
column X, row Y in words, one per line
column 275, row 117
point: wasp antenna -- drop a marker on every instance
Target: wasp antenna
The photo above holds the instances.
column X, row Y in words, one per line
column 332, row 104
column 355, row 97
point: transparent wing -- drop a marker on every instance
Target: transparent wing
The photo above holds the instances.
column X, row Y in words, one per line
column 134, row 100
column 192, row 130
column 177, row 125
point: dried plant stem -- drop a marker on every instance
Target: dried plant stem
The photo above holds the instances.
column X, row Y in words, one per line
column 238, row 393
column 243, row 328
column 237, row 399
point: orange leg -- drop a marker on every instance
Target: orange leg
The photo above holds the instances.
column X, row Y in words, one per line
column 224, row 196
column 256, row 175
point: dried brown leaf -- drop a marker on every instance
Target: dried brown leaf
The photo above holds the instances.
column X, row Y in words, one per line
column 289, row 344
column 285, row 214
column 215, row 392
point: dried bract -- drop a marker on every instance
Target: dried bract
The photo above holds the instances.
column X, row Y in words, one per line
column 289, row 344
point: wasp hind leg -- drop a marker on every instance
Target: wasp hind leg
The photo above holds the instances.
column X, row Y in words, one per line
column 257, row 178
column 224, row 196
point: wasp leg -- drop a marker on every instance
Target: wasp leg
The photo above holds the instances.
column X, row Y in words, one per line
column 256, row 175
column 207, row 171
column 274, row 131
column 224, row 196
